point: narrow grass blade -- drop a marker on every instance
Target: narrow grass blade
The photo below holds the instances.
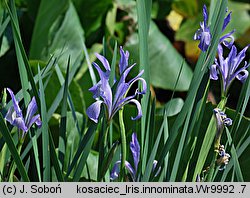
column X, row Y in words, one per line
column 107, row 160
column 33, row 138
column 4, row 25
column 86, row 141
column 101, row 147
column 113, row 64
column 144, row 10
column 240, row 151
column 91, row 71
column 59, row 95
column 146, row 132
column 235, row 158
column 23, row 63
column 54, row 159
column 149, row 166
column 70, row 102
column 45, row 135
column 10, row 143
column 62, row 129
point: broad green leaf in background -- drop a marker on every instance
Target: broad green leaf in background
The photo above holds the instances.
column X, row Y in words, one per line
column 68, row 39
column 240, row 18
column 186, row 8
column 165, row 61
column 161, row 8
column 174, row 106
column 63, row 36
column 91, row 13
column 47, row 14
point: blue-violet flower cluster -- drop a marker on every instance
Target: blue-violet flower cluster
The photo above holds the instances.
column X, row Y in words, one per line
column 115, row 98
column 204, row 35
column 135, row 150
column 222, row 119
column 223, row 159
column 228, row 68
column 15, row 117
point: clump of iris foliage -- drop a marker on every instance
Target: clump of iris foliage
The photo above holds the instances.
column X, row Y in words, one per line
column 76, row 121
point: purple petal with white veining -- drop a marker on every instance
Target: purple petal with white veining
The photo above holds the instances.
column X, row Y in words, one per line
column 130, row 169
column 93, row 111
column 205, row 15
column 11, row 115
column 138, row 106
column 15, row 103
column 20, row 124
column 123, row 64
column 242, row 75
column 35, row 119
column 226, row 21
column 104, row 61
column 96, row 90
column 115, row 171
column 213, row 72
column 135, row 149
column 105, row 89
column 203, row 34
column 31, row 110
column 205, row 40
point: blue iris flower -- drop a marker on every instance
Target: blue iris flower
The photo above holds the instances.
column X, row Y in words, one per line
column 15, row 116
column 135, row 150
column 115, row 98
column 204, row 35
column 229, row 68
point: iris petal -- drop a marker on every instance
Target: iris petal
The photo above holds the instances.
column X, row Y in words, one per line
column 104, row 61
column 11, row 115
column 93, row 111
column 203, row 34
column 96, row 90
column 15, row 116
column 105, row 89
column 242, row 75
column 226, row 21
column 15, row 103
column 20, row 124
column 124, row 60
column 229, row 36
column 130, row 169
column 135, row 149
column 115, row 171
column 138, row 105
column 213, row 72
column 31, row 110
column 205, row 15
column 35, row 119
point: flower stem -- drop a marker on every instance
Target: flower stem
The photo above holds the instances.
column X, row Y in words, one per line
column 217, row 143
column 13, row 164
column 123, row 144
